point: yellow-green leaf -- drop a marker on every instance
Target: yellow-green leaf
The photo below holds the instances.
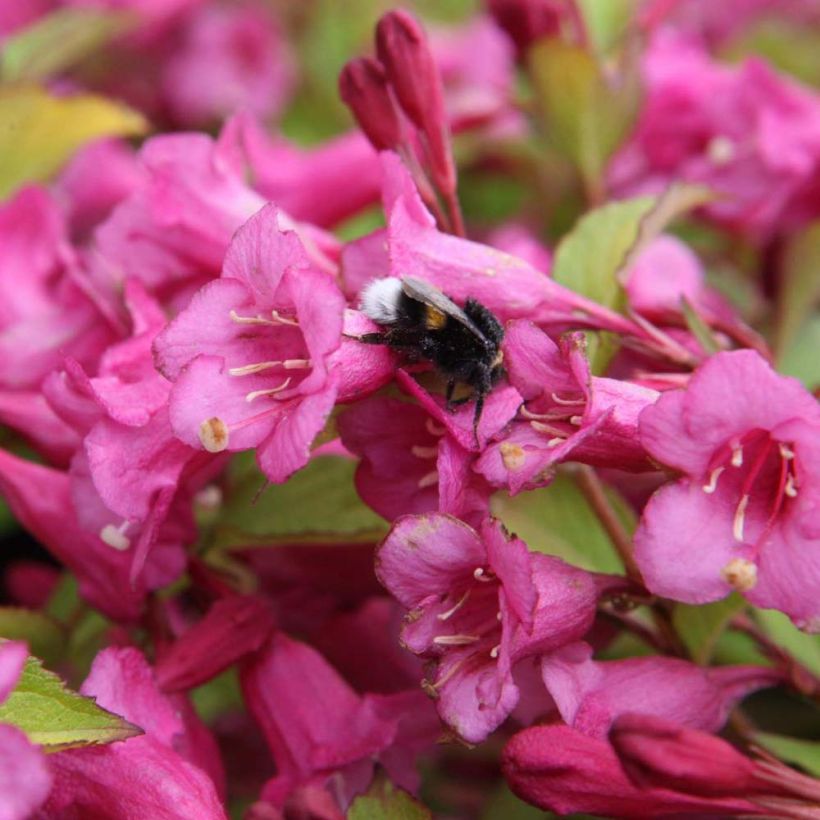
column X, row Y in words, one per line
column 46, row 638
column 39, row 131
column 800, row 286
column 56, row 718
column 700, row 626
column 800, row 645
column 586, row 114
column 589, row 257
column 57, row 42
column 319, row 504
column 384, row 801
column 804, row 753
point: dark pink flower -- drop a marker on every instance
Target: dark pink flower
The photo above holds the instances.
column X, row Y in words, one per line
column 151, row 775
column 527, row 20
column 409, row 464
column 563, row 770
column 746, row 131
column 364, row 89
column 591, row 694
column 249, row 357
column 230, row 58
column 568, row 413
column 231, row 628
column 318, row 728
column 478, row 604
column 25, row 779
column 746, row 440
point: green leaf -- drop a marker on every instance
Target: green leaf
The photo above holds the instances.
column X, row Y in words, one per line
column 701, row 626
column 803, row 647
column 56, row 718
column 699, row 329
column 800, row 359
column 319, row 504
column 384, row 801
column 738, row 648
column 803, row 753
column 503, row 803
column 57, row 42
column 800, row 284
column 557, row 520
column 588, row 258
column 607, row 22
column 586, row 114
column 45, row 637
column 39, row 131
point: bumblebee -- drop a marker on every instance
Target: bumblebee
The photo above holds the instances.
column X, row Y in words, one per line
column 422, row 323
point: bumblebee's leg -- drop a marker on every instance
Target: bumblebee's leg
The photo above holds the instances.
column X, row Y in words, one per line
column 479, row 406
column 370, row 338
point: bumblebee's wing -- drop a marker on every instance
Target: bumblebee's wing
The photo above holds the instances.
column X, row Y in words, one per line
column 440, row 305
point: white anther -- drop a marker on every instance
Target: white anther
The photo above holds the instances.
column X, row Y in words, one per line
column 737, row 455
column 721, row 149
column 480, row 575
column 428, row 479
column 424, row 452
column 790, row 489
column 281, row 320
column 249, row 320
column 740, row 573
column 255, row 394
column 115, row 536
column 495, row 650
column 258, row 367
column 213, row 434
column 786, row 452
column 455, row 640
column 711, row 486
column 566, row 402
column 740, row 514
column 434, row 429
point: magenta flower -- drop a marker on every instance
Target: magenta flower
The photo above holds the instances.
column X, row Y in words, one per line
column 318, row 729
column 590, row 695
column 250, row 356
column 748, row 132
column 568, row 414
column 746, row 440
column 229, row 59
column 563, row 770
column 25, row 779
column 409, row 463
column 157, row 774
column 478, row 604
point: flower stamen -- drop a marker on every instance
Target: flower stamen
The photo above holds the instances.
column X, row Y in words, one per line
column 258, row 367
column 255, row 394
column 456, row 640
column 444, row 616
column 428, row 479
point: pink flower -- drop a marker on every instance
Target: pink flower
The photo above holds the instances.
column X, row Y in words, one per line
column 747, row 132
column 746, row 440
column 526, row 21
column 25, row 779
column 590, row 695
column 230, row 58
column 478, row 604
column 409, row 464
column 568, row 414
column 660, row 753
column 157, row 774
column 319, row 729
column 231, row 628
column 251, row 356
column 563, row 770
column 45, row 313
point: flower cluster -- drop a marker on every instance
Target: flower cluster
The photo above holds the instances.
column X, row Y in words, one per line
column 288, row 553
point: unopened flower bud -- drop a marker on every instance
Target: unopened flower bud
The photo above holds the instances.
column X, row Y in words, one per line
column 525, row 21
column 408, row 61
column 363, row 87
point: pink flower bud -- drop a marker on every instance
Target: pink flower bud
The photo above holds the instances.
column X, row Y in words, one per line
column 363, row 87
column 526, row 20
column 405, row 52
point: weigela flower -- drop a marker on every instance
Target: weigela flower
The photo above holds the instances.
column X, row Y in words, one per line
column 591, row 694
column 230, row 58
column 152, row 774
column 250, row 357
column 411, row 465
column 560, row 769
column 568, row 413
column 25, row 779
column 746, row 131
column 479, row 602
column 318, row 729
column 746, row 440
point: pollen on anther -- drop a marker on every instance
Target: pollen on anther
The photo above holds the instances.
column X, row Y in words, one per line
column 213, row 434
column 513, row 455
column 740, row 573
column 115, row 537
